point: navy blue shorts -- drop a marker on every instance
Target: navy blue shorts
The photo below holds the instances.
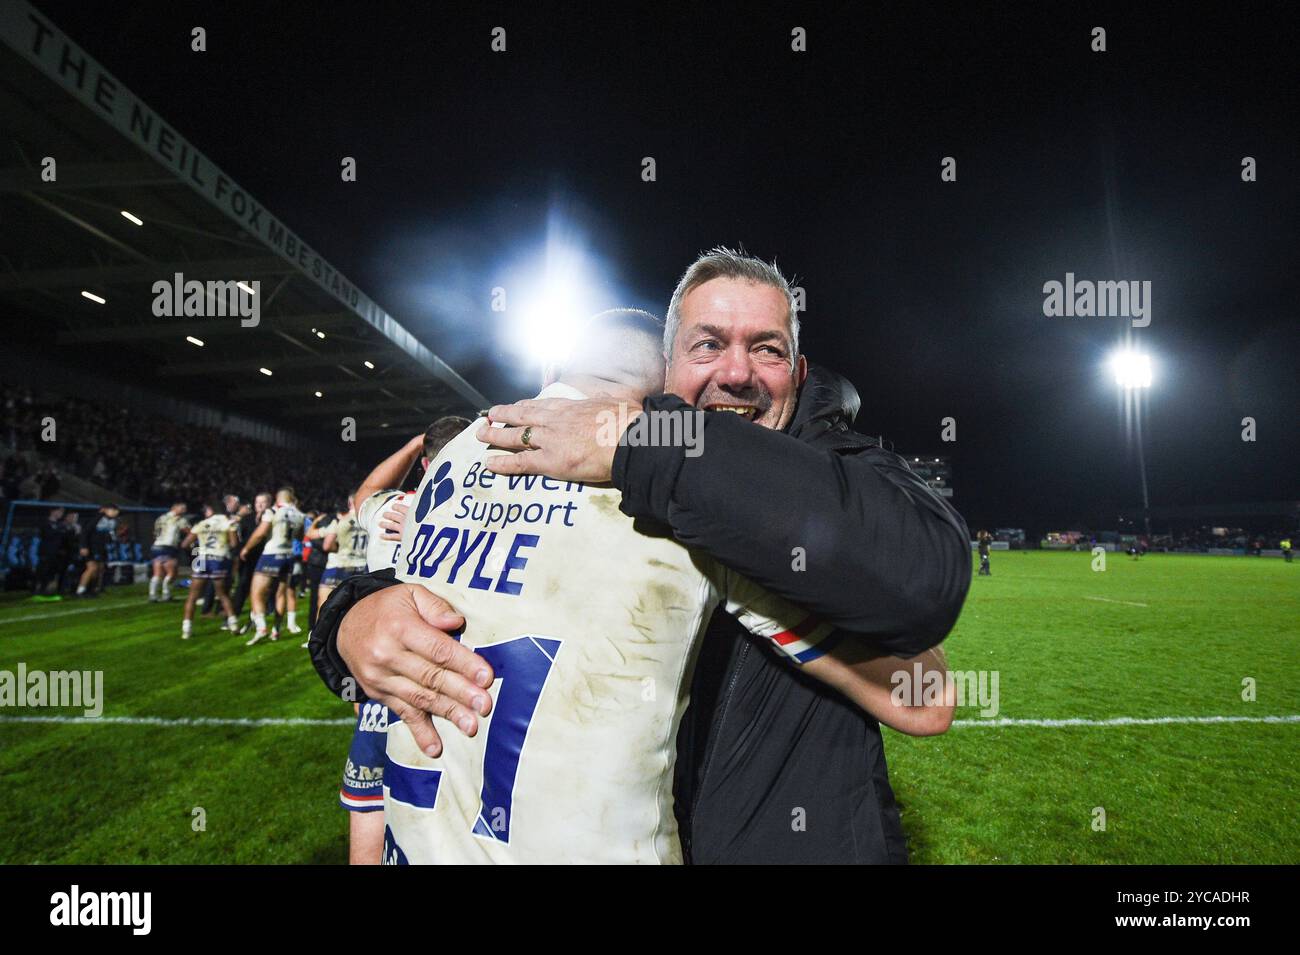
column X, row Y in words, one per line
column 334, row 576
column 210, row 568
column 363, row 773
column 165, row 553
column 276, row 565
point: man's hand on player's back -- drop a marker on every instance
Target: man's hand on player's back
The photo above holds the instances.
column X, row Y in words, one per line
column 396, row 643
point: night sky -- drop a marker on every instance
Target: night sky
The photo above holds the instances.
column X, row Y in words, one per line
column 926, row 294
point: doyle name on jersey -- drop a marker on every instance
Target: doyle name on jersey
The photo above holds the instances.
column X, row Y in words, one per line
column 499, row 552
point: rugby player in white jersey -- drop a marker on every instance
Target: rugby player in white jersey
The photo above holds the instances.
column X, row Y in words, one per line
column 168, row 530
column 215, row 536
column 344, row 540
column 591, row 626
column 279, row 527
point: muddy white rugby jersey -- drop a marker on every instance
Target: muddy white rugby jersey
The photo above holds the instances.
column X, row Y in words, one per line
column 380, row 554
column 169, row 530
column 591, row 627
column 212, row 535
column 351, row 538
column 286, row 526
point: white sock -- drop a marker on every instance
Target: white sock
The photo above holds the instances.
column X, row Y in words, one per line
column 167, row 586
column 80, row 590
column 293, row 619
column 153, row 586
column 259, row 621
column 232, row 623
column 187, row 626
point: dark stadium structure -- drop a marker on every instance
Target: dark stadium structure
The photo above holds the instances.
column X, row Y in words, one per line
column 80, row 154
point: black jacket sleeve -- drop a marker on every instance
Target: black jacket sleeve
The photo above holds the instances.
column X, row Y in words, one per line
column 846, row 531
column 324, row 642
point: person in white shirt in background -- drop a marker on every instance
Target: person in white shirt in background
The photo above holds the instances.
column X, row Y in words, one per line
column 168, row 530
column 343, row 539
column 215, row 536
column 280, row 526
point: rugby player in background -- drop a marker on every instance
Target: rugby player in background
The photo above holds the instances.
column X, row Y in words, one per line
column 207, row 600
column 361, row 792
column 249, row 522
column 168, row 530
column 343, row 540
column 96, row 537
column 279, row 527
column 215, row 536
column 591, row 625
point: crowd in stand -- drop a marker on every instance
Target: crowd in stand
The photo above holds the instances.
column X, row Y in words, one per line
column 149, row 459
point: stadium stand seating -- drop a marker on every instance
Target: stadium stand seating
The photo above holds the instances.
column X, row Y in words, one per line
column 149, row 460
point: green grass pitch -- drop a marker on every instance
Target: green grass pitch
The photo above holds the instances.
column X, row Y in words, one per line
column 1164, row 637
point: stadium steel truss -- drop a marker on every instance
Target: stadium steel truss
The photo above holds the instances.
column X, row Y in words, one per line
column 75, row 264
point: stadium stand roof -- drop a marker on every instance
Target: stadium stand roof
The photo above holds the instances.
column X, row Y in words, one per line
column 61, row 238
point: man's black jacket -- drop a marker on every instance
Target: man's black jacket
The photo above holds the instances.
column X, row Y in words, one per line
column 771, row 766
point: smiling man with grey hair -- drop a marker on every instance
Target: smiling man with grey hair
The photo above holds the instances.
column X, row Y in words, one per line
column 724, row 263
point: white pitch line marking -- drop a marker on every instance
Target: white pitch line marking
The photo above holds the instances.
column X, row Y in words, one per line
column 1110, row 601
column 1127, row 721
column 67, row 613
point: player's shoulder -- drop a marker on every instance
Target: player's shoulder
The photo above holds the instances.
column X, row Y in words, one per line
column 375, row 504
